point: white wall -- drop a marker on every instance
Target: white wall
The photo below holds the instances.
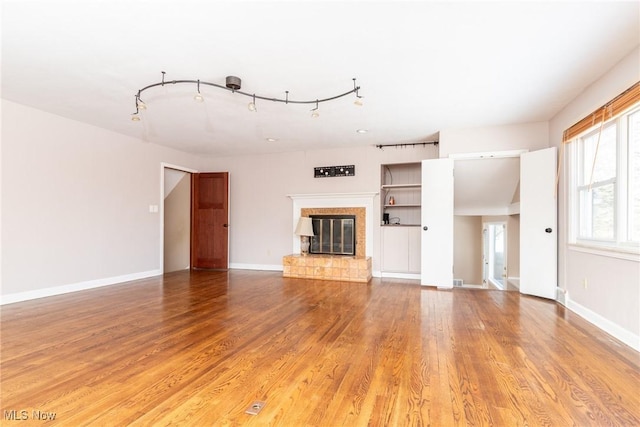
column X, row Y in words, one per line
column 532, row 136
column 612, row 297
column 467, row 244
column 75, row 204
column 261, row 213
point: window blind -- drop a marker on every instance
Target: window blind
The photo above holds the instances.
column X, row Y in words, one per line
column 616, row 106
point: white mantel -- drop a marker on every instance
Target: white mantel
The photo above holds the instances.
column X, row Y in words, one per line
column 334, row 200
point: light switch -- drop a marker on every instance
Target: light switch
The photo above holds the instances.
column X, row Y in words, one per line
column 153, row 208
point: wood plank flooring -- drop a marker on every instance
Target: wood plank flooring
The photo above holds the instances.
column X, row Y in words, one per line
column 198, row 348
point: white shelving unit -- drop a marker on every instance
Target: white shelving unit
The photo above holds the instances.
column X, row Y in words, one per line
column 401, row 182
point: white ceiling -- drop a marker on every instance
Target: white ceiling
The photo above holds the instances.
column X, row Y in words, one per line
column 486, row 186
column 422, row 66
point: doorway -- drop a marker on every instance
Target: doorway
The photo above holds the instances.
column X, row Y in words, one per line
column 193, row 229
column 494, row 255
column 535, row 216
column 175, row 220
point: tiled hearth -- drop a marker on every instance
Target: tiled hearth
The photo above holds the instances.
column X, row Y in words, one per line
column 327, row 267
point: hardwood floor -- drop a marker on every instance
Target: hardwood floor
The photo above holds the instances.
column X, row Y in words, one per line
column 199, row 348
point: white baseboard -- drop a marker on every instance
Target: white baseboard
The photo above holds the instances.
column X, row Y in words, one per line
column 562, row 296
column 414, row 276
column 74, row 287
column 265, row 267
column 606, row 325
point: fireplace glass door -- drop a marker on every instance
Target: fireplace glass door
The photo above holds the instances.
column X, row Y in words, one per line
column 333, row 234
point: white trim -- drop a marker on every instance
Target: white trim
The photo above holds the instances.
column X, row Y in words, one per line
column 261, row 267
column 480, row 211
column 179, row 168
column 608, row 252
column 514, row 281
column 391, row 275
column 334, row 200
column 74, row 287
column 488, row 155
column 331, row 195
column 496, row 284
column 561, row 296
column 618, row 332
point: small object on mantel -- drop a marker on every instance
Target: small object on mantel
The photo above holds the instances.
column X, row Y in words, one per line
column 392, row 201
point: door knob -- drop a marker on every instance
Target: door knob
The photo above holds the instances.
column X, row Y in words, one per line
column 425, row 228
column 225, row 225
column 548, row 230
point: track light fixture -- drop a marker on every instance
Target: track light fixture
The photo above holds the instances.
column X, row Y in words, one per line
column 198, row 96
column 252, row 104
column 314, row 112
column 358, row 100
column 234, row 84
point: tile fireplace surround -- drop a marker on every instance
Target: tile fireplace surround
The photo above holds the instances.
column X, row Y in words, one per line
column 356, row 268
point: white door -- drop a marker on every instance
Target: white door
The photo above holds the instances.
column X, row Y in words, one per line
column 538, row 224
column 437, row 223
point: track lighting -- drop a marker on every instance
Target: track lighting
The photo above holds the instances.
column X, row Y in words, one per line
column 234, row 84
column 135, row 117
column 314, row 112
column 198, row 96
column 252, row 104
column 358, row 100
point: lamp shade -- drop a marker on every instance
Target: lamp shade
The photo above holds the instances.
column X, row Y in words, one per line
column 304, row 227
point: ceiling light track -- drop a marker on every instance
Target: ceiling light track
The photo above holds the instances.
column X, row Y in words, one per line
column 233, row 84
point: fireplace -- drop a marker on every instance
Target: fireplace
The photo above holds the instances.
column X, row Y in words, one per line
column 333, row 235
column 340, row 267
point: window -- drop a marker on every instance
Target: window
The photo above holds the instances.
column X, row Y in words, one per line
column 605, row 184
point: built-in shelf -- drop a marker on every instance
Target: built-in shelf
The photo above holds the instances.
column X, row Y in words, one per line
column 401, row 235
column 384, row 186
column 400, row 193
column 404, row 205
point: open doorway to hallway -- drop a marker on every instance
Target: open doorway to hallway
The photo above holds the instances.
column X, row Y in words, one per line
column 494, row 255
column 177, row 220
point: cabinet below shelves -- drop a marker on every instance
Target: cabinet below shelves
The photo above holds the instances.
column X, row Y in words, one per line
column 401, row 249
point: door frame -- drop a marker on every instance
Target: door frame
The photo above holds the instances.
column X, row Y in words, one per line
column 164, row 166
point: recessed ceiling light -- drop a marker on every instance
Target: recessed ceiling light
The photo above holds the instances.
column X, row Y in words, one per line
column 272, row 139
column 362, row 131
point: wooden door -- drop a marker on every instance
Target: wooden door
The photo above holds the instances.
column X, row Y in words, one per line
column 437, row 223
column 538, row 224
column 210, row 220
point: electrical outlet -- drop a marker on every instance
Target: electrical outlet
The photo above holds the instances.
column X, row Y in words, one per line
column 585, row 283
